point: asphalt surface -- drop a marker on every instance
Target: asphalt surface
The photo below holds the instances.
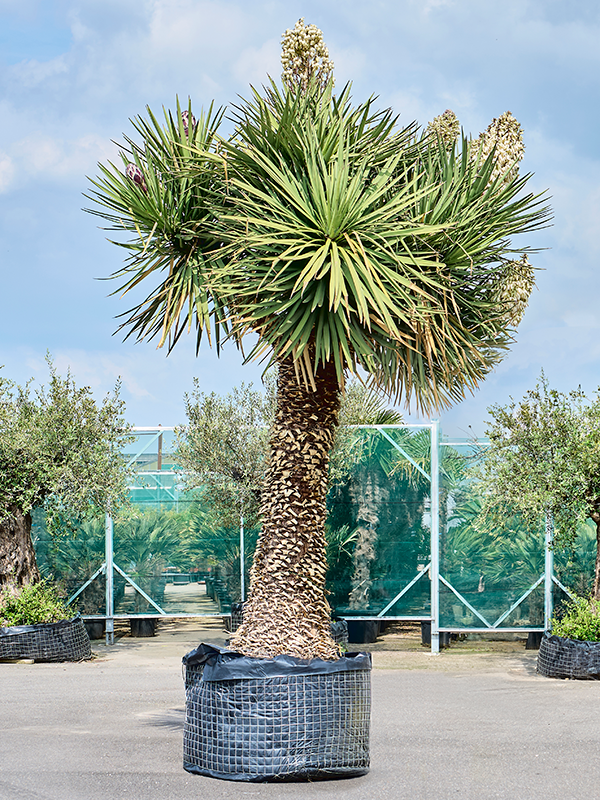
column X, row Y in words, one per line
column 469, row 725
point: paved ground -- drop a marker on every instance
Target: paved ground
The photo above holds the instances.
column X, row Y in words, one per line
column 474, row 723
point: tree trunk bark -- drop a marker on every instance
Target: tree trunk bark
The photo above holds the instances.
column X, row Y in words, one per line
column 369, row 495
column 18, row 566
column 287, row 610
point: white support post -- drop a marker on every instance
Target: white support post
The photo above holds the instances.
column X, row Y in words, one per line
column 242, row 567
column 435, row 536
column 110, row 611
column 548, row 570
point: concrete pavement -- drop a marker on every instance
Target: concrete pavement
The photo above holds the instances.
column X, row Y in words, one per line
column 470, row 723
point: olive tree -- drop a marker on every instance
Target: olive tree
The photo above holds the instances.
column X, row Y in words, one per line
column 543, row 463
column 59, row 450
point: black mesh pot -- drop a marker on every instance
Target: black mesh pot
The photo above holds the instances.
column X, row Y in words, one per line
column 237, row 616
column 284, row 718
column 53, row 641
column 569, row 658
column 339, row 632
column 142, row 626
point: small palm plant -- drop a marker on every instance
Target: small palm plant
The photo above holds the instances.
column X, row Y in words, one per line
column 73, row 558
column 345, row 245
column 146, row 544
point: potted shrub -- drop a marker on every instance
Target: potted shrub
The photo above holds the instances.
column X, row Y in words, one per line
column 572, row 650
column 344, row 245
column 35, row 623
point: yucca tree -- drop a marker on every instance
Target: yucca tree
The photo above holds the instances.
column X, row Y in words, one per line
column 344, row 244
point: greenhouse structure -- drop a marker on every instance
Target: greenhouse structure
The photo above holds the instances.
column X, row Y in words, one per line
column 405, row 542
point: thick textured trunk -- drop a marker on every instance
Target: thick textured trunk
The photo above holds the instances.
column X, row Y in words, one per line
column 369, row 495
column 18, row 566
column 287, row 610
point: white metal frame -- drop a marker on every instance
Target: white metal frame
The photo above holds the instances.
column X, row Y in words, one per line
column 432, row 568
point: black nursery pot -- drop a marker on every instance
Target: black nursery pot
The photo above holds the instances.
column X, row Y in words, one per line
column 283, row 718
column 560, row 657
column 66, row 640
column 95, row 628
column 363, row 631
column 142, row 626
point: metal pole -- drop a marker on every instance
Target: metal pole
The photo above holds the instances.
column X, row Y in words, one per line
column 435, row 537
column 110, row 611
column 242, row 575
column 548, row 570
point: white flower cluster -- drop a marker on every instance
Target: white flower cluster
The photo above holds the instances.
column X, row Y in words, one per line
column 515, row 287
column 506, row 135
column 446, row 127
column 304, row 56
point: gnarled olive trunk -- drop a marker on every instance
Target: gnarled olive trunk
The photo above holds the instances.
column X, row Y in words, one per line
column 287, row 610
column 18, row 566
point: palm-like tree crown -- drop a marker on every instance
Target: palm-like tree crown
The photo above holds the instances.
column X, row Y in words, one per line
column 330, row 233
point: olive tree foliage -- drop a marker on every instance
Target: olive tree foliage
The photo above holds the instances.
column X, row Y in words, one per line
column 223, row 447
column 59, row 450
column 543, row 463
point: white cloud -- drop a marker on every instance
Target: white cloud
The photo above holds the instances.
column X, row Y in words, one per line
column 571, row 42
column 7, row 172
column 153, row 385
column 56, row 158
column 101, row 370
column 413, row 106
column 577, row 319
column 158, row 47
column 349, row 63
column 427, row 6
column 188, row 26
column 31, row 73
column 421, row 56
column 255, row 63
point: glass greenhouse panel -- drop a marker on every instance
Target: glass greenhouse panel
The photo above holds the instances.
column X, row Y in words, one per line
column 489, row 577
column 177, row 562
column 379, row 526
column 151, row 450
column 174, row 555
column 156, row 482
column 73, row 560
column 574, row 565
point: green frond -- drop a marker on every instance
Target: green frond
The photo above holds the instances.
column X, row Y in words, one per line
column 329, row 232
column 171, row 221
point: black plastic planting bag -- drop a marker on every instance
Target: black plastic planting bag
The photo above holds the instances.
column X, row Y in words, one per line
column 339, row 632
column 282, row 718
column 66, row 640
column 569, row 658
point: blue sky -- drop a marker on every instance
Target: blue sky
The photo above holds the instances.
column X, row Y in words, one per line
column 72, row 72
